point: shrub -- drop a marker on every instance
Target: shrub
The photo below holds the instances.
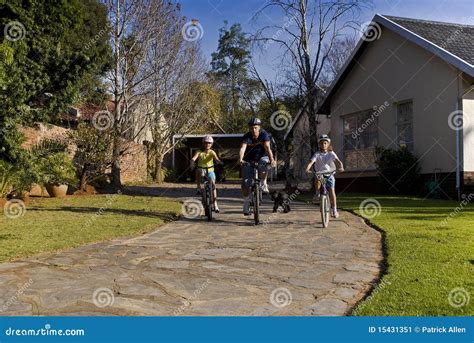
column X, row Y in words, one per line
column 52, row 164
column 398, row 170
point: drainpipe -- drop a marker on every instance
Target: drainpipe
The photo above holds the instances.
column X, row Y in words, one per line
column 458, row 169
column 172, row 154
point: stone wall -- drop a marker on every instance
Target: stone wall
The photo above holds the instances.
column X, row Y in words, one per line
column 133, row 162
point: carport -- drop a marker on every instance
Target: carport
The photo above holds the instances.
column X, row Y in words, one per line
column 226, row 145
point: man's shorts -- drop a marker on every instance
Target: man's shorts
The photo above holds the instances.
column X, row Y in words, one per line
column 247, row 171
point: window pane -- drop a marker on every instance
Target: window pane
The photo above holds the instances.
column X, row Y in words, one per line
column 349, row 142
column 350, row 123
column 405, row 112
column 368, row 140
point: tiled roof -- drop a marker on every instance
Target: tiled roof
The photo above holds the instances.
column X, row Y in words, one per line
column 457, row 39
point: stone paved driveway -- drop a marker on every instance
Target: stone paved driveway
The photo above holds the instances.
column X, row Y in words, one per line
column 291, row 266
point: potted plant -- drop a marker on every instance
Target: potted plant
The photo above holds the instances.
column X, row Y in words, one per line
column 57, row 172
column 55, row 169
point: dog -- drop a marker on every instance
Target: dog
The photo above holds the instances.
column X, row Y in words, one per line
column 280, row 199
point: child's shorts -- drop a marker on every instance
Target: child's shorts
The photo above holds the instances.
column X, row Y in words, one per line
column 330, row 182
column 211, row 175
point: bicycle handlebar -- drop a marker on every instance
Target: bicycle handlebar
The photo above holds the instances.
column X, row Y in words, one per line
column 325, row 172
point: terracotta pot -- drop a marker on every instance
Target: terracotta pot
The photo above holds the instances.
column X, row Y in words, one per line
column 56, row 190
column 38, row 191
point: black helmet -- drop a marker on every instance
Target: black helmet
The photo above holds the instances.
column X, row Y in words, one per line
column 254, row 121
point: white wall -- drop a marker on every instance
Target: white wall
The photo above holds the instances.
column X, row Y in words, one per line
column 468, row 131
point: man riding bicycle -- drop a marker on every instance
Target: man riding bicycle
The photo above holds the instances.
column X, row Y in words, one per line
column 255, row 147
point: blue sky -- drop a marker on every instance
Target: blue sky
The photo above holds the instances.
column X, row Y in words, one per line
column 212, row 13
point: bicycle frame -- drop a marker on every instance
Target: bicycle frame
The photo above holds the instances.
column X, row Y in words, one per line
column 256, row 191
column 323, row 195
column 207, row 195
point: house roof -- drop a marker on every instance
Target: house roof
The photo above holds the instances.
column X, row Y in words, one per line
column 86, row 112
column 449, row 41
column 454, row 38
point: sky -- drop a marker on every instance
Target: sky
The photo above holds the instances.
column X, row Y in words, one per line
column 212, row 13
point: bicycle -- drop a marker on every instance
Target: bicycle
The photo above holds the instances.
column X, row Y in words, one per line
column 207, row 195
column 256, row 191
column 324, row 203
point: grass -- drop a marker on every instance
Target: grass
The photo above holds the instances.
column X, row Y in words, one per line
column 428, row 256
column 51, row 224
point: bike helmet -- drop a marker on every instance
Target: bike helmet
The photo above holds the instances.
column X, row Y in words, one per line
column 254, row 121
column 324, row 138
column 208, row 139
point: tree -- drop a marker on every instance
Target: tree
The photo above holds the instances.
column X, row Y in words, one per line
column 136, row 28
column 307, row 37
column 230, row 70
column 93, row 153
column 51, row 48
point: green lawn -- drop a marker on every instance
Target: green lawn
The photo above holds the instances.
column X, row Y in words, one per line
column 51, row 224
column 427, row 257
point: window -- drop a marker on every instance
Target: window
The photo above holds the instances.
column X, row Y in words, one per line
column 405, row 124
column 360, row 139
column 360, row 130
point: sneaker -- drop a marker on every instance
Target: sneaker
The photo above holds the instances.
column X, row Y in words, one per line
column 247, row 206
column 334, row 213
column 315, row 199
column 265, row 189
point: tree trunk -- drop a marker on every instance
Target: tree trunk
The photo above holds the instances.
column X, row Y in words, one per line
column 313, row 124
column 83, row 178
column 116, row 182
column 158, row 167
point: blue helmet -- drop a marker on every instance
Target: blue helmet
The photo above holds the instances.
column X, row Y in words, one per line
column 254, row 121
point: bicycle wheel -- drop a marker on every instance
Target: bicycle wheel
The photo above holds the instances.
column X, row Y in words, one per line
column 256, row 205
column 324, row 208
column 208, row 203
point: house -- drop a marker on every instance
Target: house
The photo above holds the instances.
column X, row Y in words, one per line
column 408, row 82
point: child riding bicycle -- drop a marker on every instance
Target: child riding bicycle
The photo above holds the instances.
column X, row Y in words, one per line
column 205, row 159
column 325, row 160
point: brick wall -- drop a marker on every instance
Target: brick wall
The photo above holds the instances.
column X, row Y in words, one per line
column 133, row 162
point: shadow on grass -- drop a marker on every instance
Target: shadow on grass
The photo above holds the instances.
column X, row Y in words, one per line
column 98, row 212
